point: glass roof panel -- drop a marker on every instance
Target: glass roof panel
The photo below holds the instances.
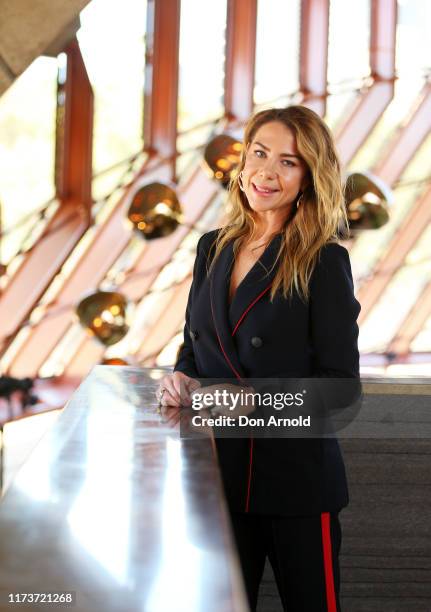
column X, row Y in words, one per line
column 422, row 342
column 277, row 51
column 112, row 43
column 27, row 147
column 382, row 324
column 202, row 57
column 413, row 62
column 168, row 355
column 348, row 55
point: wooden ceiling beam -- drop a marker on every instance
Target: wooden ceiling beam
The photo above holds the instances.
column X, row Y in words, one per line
column 357, row 124
column 73, row 171
column 240, row 58
column 313, row 56
column 161, row 79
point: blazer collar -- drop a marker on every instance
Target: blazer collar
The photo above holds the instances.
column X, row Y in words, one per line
column 248, row 293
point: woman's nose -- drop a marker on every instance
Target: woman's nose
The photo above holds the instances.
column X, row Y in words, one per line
column 268, row 168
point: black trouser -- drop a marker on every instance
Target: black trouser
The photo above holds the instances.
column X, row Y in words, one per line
column 303, row 552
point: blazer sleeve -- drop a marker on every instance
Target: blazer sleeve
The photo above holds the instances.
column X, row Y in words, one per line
column 186, row 358
column 334, row 311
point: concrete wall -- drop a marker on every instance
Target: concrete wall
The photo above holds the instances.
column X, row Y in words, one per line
column 28, row 28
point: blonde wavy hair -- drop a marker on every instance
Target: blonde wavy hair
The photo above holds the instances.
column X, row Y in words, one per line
column 321, row 211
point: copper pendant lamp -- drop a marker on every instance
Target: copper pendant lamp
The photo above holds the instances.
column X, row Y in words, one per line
column 155, row 211
column 103, row 314
column 367, row 201
column 222, row 154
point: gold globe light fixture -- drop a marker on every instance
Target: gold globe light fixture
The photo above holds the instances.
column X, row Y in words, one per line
column 155, row 211
column 103, row 315
column 222, row 155
column 367, row 201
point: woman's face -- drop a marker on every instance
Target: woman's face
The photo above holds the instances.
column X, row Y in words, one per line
column 274, row 173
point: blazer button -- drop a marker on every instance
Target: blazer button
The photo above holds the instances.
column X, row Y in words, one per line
column 194, row 335
column 256, row 342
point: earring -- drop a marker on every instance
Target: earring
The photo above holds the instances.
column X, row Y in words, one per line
column 240, row 181
column 299, row 200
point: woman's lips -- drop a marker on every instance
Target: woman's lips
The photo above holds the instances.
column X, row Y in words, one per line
column 263, row 191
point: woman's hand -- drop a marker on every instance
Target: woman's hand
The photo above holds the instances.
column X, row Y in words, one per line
column 174, row 390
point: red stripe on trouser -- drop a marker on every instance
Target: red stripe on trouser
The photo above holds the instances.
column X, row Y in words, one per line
column 327, row 561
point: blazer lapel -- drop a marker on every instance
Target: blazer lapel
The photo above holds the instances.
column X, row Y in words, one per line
column 219, row 297
column 254, row 286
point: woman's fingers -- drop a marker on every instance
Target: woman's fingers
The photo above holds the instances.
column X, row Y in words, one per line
column 175, row 389
column 183, row 386
column 192, row 384
column 170, row 391
column 164, row 395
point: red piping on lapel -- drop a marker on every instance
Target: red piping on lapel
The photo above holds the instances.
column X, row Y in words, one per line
column 249, row 307
column 221, row 345
column 240, row 320
column 247, row 501
column 227, row 358
column 250, row 465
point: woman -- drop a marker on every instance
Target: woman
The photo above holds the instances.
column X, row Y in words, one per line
column 272, row 297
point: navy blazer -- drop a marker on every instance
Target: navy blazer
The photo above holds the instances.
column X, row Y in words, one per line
column 254, row 338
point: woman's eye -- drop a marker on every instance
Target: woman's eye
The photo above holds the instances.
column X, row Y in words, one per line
column 288, row 163
column 259, row 153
